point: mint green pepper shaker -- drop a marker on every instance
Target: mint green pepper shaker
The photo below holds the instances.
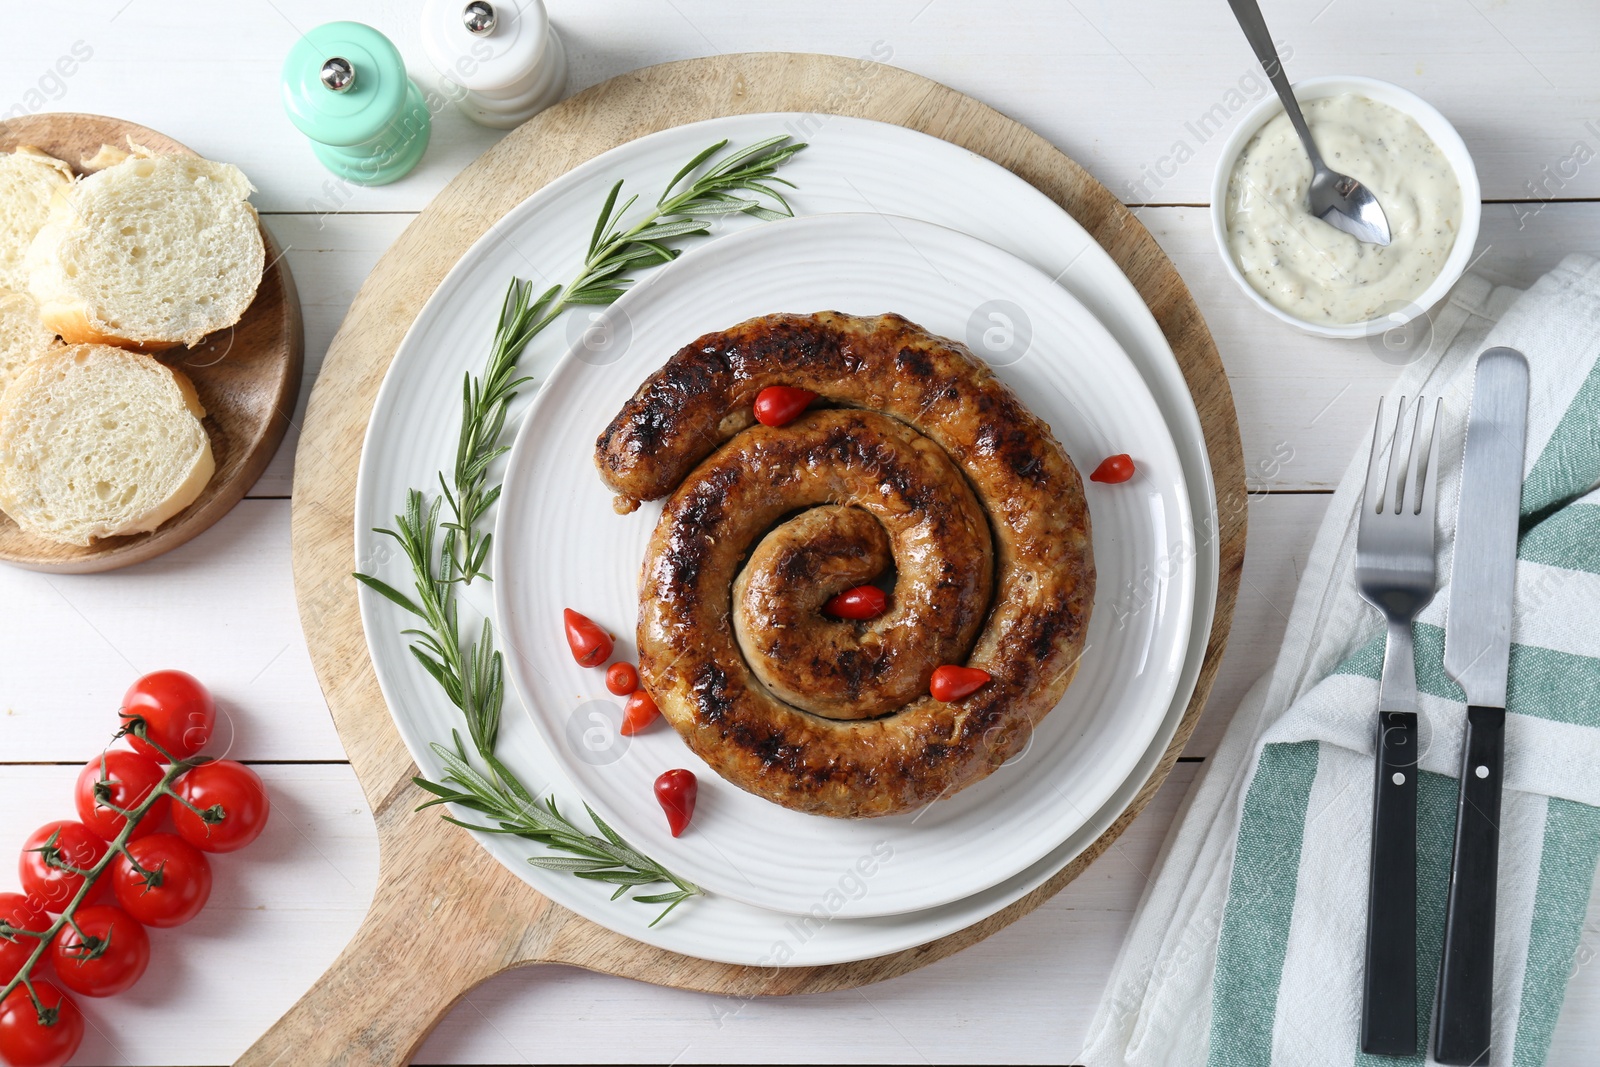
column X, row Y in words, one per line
column 345, row 87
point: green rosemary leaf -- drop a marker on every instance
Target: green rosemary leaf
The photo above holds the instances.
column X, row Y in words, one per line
column 731, row 163
column 460, row 771
column 439, row 673
column 513, row 786
column 622, row 878
column 668, row 910
column 625, row 851
column 436, row 789
column 595, row 296
column 570, row 864
column 465, row 800
column 689, row 166
column 482, row 555
column 663, row 231
column 604, row 218
column 494, row 493
column 766, row 186
column 730, row 206
column 605, row 828
column 386, row 590
column 480, row 828
column 663, row 254
column 672, row 896
column 757, row 187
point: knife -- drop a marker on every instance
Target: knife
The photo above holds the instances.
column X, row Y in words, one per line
column 1477, row 654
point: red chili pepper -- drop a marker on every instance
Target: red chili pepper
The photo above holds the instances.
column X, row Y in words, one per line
column 779, row 404
column 861, row 603
column 622, row 679
column 1114, row 469
column 676, row 790
column 950, row 683
column 591, row 646
column 640, row 711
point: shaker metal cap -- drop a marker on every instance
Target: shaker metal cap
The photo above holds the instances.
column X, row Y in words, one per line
column 479, row 18
column 343, row 83
column 485, row 46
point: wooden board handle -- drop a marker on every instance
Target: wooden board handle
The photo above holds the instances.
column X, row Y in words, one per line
column 420, row 949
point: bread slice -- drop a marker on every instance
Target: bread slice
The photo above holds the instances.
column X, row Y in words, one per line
column 29, row 180
column 151, row 252
column 97, row 441
column 22, row 335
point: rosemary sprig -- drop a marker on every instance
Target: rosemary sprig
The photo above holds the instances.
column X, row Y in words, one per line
column 515, row 811
column 471, row 671
column 484, row 402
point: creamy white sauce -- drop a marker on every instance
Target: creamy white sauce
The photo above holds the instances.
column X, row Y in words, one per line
column 1305, row 266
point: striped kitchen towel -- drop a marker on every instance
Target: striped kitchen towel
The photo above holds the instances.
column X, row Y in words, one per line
column 1247, row 948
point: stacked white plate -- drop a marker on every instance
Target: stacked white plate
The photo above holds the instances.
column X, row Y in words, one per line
column 892, row 220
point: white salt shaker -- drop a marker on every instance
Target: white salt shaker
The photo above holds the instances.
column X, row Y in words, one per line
column 501, row 61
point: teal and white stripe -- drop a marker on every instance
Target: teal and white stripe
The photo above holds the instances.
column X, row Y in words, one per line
column 1267, row 869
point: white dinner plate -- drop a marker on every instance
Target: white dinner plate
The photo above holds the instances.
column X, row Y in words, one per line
column 558, row 544
column 852, row 165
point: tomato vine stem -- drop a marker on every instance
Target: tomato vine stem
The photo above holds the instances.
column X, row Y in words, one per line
column 91, row 875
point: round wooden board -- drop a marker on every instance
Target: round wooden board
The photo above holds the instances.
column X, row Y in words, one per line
column 446, row 915
column 248, row 377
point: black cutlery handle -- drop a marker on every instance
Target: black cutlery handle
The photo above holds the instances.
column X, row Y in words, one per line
column 1389, row 992
column 1466, row 970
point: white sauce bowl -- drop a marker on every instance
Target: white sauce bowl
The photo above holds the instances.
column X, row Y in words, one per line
column 1435, row 125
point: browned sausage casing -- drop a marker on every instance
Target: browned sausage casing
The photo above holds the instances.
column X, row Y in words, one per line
column 980, row 508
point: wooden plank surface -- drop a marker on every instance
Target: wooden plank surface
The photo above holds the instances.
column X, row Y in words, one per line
column 1115, row 85
column 1109, row 84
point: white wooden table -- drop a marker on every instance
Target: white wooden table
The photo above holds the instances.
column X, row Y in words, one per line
column 1118, row 86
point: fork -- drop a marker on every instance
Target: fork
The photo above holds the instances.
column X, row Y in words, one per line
column 1395, row 574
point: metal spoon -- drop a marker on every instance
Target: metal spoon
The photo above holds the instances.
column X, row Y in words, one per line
column 1337, row 199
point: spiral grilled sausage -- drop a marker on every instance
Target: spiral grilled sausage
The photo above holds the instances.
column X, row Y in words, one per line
column 926, row 458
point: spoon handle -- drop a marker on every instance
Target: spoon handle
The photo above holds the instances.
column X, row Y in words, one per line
column 1248, row 12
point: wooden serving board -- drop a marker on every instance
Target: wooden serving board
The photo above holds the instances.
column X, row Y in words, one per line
column 446, row 915
column 248, row 377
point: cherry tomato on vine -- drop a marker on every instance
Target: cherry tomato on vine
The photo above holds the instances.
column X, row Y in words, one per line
column 69, row 843
column 25, row 1041
column 102, row 953
column 591, row 646
column 175, row 711
column 640, row 711
column 950, row 682
column 19, row 913
column 677, row 790
column 173, row 885
column 129, row 777
column 1114, row 469
column 861, row 603
column 622, row 679
column 232, row 801
column 779, row 404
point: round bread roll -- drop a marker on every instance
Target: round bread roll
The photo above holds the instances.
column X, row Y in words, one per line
column 151, row 252
column 97, row 441
column 22, row 336
column 29, row 181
